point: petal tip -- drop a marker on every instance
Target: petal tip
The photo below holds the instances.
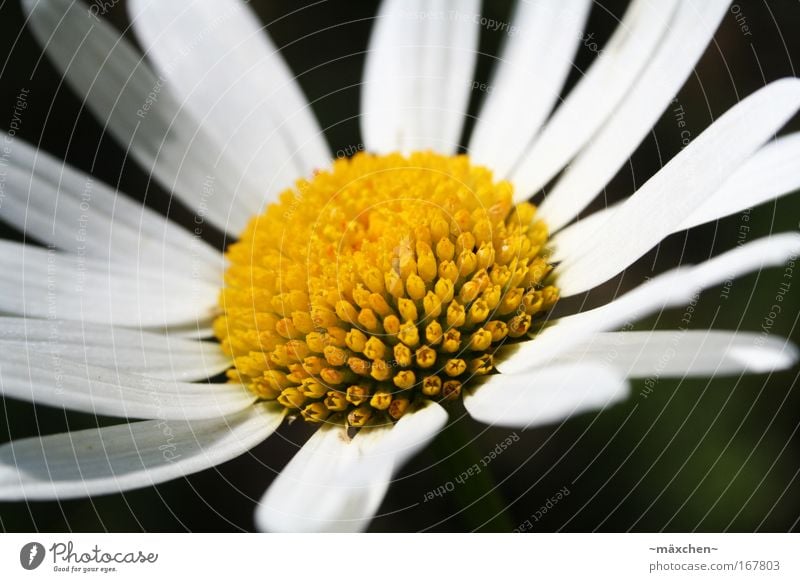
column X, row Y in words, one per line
column 772, row 356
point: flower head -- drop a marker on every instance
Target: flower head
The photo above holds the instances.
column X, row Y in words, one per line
column 364, row 295
column 380, row 283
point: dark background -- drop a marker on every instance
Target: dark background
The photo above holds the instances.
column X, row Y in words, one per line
column 704, row 455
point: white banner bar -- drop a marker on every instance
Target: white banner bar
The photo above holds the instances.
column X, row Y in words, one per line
column 400, row 557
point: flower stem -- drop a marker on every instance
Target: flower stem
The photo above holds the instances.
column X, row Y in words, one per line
column 475, row 496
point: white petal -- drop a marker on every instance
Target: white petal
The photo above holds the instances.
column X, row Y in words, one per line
column 534, row 64
column 312, row 493
column 545, row 396
column 197, row 331
column 694, row 26
column 127, row 456
column 684, row 353
column 418, row 74
column 410, row 434
column 334, row 484
column 62, row 207
column 594, row 98
column 771, row 172
column 52, row 380
column 123, row 350
column 137, row 108
column 44, row 283
column 222, row 65
column 665, row 201
column 676, row 287
column 576, row 239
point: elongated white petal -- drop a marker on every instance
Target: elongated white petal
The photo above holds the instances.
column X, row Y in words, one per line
column 544, row 396
column 336, row 484
column 694, row 25
column 312, row 493
column 675, row 192
column 597, row 94
column 64, row 208
column 576, row 239
column 410, row 434
column 127, row 456
column 671, row 289
column 44, row 283
column 684, row 353
column 123, row 350
column 528, row 79
column 138, row 109
column 48, row 379
column 418, row 74
column 222, row 65
column 197, row 331
column 771, row 172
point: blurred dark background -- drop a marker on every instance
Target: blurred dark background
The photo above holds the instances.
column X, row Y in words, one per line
column 699, row 455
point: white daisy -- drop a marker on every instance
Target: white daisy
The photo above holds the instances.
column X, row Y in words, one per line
column 374, row 291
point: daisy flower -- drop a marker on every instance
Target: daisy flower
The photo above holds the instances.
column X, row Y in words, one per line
column 365, row 294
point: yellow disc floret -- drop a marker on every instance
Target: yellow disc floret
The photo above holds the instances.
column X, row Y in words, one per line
column 386, row 280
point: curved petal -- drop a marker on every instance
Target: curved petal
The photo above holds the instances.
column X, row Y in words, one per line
column 665, row 201
column 337, row 484
column 544, row 396
column 676, row 287
column 124, row 350
column 770, row 173
column 223, row 67
column 532, row 70
column 683, row 353
column 62, row 207
column 137, row 108
column 44, row 283
column 576, row 239
column 418, row 75
column 48, row 379
column 593, row 100
column 127, row 456
column 694, row 25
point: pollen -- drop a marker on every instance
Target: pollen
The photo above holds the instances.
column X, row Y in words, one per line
column 379, row 283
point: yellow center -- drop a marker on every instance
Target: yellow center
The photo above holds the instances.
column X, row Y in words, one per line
column 381, row 282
